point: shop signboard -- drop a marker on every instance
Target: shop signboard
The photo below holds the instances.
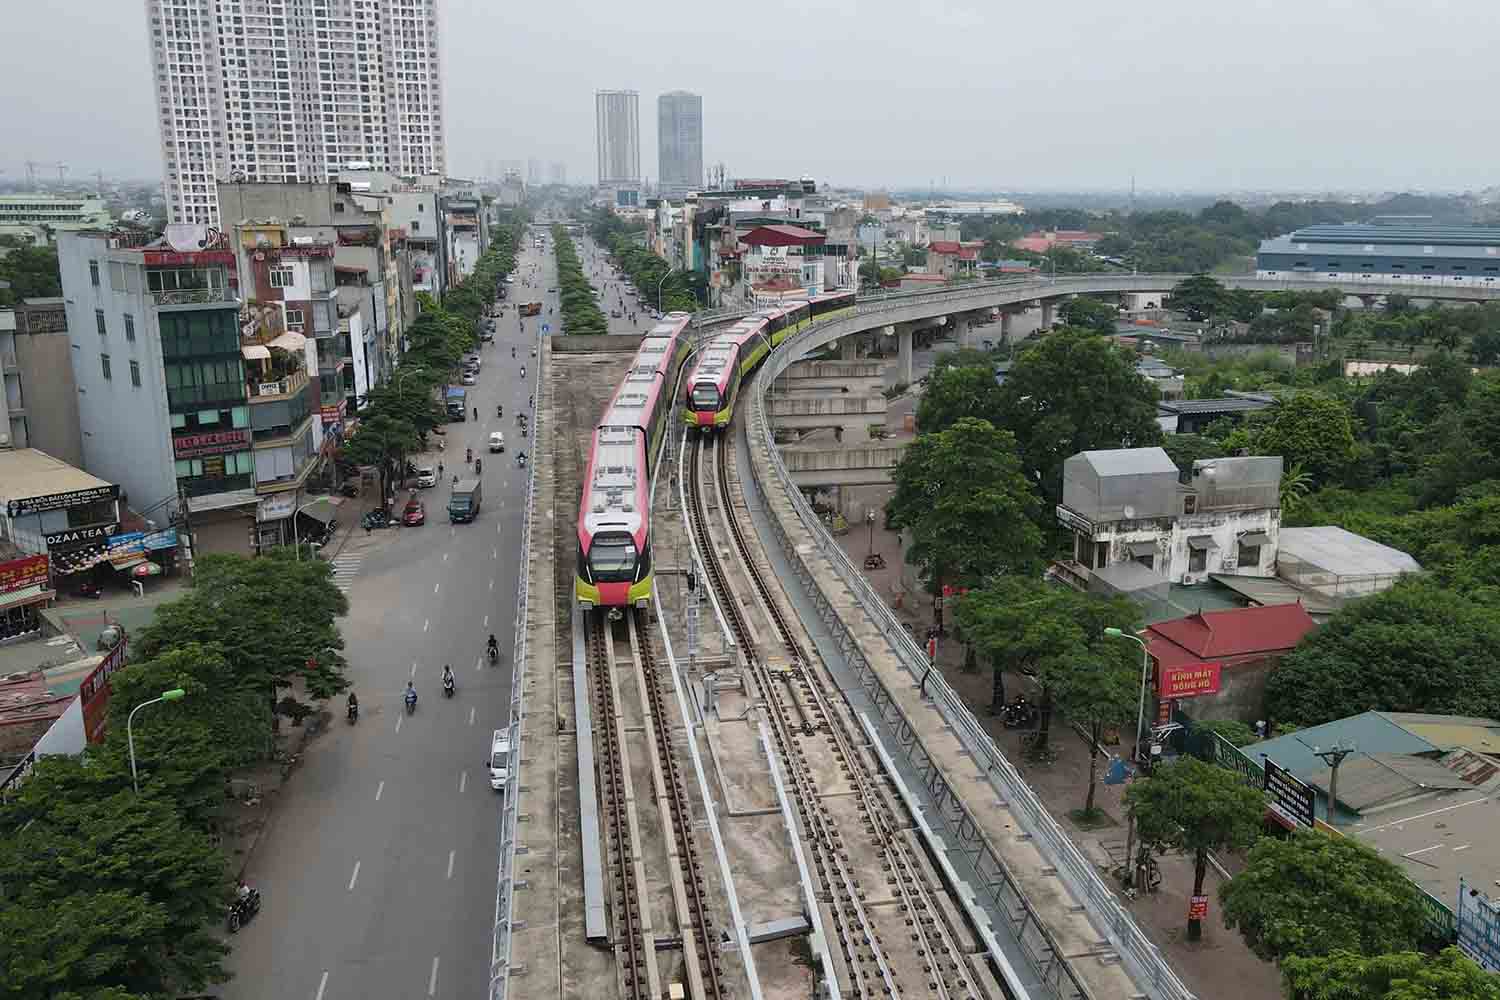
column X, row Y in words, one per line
column 277, row 507
column 1189, row 679
column 1198, row 908
column 1479, row 927
column 157, row 540
column 94, row 693
column 27, row 571
column 61, row 501
column 1290, row 798
column 211, row 443
column 74, row 538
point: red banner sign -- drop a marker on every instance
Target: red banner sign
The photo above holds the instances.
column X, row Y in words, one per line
column 1189, row 680
column 211, row 443
column 24, row 572
column 1198, row 908
column 94, row 693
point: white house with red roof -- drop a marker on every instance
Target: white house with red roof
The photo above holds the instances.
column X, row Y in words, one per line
column 952, row 258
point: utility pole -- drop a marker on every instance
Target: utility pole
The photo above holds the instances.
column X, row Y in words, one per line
column 1333, row 757
column 187, row 525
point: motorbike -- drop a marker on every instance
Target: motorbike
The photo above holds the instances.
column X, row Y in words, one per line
column 479, row 463
column 1019, row 714
column 411, row 703
column 521, row 461
column 379, row 518
column 448, row 686
column 353, row 712
column 494, row 652
column 241, row 911
column 500, row 410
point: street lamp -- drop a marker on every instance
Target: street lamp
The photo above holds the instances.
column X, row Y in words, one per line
column 171, row 695
column 660, row 283
column 1140, row 714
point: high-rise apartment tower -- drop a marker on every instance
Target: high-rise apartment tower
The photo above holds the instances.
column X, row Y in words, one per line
column 619, row 128
column 679, row 142
column 291, row 90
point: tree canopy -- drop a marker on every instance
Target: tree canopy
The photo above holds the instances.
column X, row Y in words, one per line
column 1071, row 392
column 1417, row 647
column 1312, row 431
column 580, row 307
column 970, row 512
column 1088, row 313
column 32, row 273
column 957, row 391
column 1406, row 975
column 1312, row 894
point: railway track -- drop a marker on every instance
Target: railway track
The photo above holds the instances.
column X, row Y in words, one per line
column 801, row 706
column 636, row 941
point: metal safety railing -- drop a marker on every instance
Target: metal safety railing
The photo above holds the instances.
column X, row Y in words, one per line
column 510, row 810
column 1143, row 958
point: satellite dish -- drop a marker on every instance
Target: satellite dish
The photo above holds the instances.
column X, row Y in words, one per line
column 1129, row 512
column 186, row 237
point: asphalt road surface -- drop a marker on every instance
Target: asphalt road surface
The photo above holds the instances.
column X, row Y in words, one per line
column 378, row 870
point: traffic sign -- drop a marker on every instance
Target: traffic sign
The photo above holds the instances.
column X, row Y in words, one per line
column 546, row 327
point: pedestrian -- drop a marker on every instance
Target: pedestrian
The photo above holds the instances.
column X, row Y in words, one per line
column 440, row 470
column 476, row 414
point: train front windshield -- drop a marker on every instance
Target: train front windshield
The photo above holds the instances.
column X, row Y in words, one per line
column 613, row 557
column 705, row 396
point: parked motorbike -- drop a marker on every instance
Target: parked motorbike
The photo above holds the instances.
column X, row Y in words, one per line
column 1018, row 714
column 241, row 911
column 353, row 712
column 379, row 518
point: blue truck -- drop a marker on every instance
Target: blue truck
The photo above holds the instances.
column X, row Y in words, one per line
column 457, row 398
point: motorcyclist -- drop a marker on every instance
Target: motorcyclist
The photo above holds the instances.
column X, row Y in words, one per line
column 523, row 371
column 468, row 456
column 411, row 693
column 476, row 414
column 512, row 351
column 447, row 675
column 479, row 465
column 521, row 459
column 500, row 409
column 353, row 705
column 494, row 646
column 242, row 891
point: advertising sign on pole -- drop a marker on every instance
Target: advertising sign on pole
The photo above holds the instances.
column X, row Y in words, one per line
column 1291, row 798
column 1198, row 908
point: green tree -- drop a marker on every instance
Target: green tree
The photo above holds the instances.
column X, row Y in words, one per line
column 1310, row 431
column 1056, row 636
column 1200, row 296
column 1407, row 975
column 954, row 393
column 1097, row 685
column 32, row 273
column 1417, row 647
column 1088, row 313
column 1185, row 449
column 970, row 512
column 1072, row 392
column 1484, row 349
column 1195, row 807
column 1233, row 730
column 104, row 889
column 1312, row 894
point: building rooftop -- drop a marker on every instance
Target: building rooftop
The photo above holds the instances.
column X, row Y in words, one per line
column 1229, row 404
column 1210, row 635
column 1129, row 461
column 1419, row 234
column 780, row 235
column 956, row 248
column 1262, row 591
column 1449, row 731
column 1339, row 551
column 27, row 473
column 1371, row 732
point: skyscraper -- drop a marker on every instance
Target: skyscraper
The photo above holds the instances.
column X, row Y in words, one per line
column 619, row 133
column 291, row 91
column 679, row 142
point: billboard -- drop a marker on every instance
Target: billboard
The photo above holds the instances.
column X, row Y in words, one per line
column 1190, row 679
column 18, row 574
column 1479, row 927
column 1291, row 798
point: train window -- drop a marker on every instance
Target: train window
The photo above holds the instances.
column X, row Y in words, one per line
column 1332, row 265
column 1491, row 267
column 1459, row 267
column 1427, row 267
column 1398, row 267
column 609, row 556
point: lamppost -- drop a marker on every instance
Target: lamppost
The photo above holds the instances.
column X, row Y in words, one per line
column 659, row 286
column 1140, row 714
column 171, row 695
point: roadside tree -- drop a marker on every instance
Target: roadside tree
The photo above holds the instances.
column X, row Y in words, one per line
column 1072, row 392
column 954, row 392
column 1088, row 313
column 1406, row 975
column 1195, row 807
column 1312, row 894
column 970, row 512
column 1200, row 296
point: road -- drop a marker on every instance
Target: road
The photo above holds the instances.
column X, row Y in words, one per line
column 379, row 867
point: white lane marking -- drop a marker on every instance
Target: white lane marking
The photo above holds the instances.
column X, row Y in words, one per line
column 471, row 715
column 1462, row 847
column 486, row 621
column 463, row 782
column 414, row 668
column 435, row 587
column 398, row 723
column 425, row 623
column 445, row 557
column 479, row 663
column 353, row 877
column 379, row 790
column 432, row 980
column 495, row 553
column 322, row 985
column 1421, row 850
column 450, row 864
column 497, row 527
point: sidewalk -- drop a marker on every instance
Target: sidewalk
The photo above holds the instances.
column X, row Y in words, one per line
column 1218, row 966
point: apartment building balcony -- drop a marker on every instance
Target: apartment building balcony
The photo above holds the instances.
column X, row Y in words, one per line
column 190, row 297
column 268, row 390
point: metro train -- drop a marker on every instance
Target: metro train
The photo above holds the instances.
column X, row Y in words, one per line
column 614, row 543
column 714, row 383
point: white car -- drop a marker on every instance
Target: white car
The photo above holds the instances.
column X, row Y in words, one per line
column 497, row 441
column 499, row 759
column 468, row 379
column 426, row 476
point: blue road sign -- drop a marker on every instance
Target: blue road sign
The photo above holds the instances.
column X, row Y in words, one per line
column 546, row 327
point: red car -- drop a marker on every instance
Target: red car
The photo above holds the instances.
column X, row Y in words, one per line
column 414, row 514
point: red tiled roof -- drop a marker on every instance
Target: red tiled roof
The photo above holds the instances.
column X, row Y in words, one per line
column 1217, row 635
column 781, row 236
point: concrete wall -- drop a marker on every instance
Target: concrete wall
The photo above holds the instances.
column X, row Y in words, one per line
column 1241, row 694
column 51, row 395
column 610, row 343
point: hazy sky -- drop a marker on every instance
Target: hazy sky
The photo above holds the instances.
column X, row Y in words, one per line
column 1191, row 94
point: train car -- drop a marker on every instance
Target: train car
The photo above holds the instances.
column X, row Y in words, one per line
column 614, row 543
column 714, row 382
column 829, row 305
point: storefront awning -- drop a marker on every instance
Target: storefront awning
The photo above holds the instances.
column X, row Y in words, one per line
column 26, row 595
column 290, row 341
column 1204, row 543
column 255, row 352
column 82, row 558
column 128, row 561
column 1255, row 539
column 1142, row 548
column 321, row 511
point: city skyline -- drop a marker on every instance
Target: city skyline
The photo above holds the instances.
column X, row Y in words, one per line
column 1087, row 102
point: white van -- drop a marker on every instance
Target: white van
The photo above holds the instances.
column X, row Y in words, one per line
column 499, row 762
